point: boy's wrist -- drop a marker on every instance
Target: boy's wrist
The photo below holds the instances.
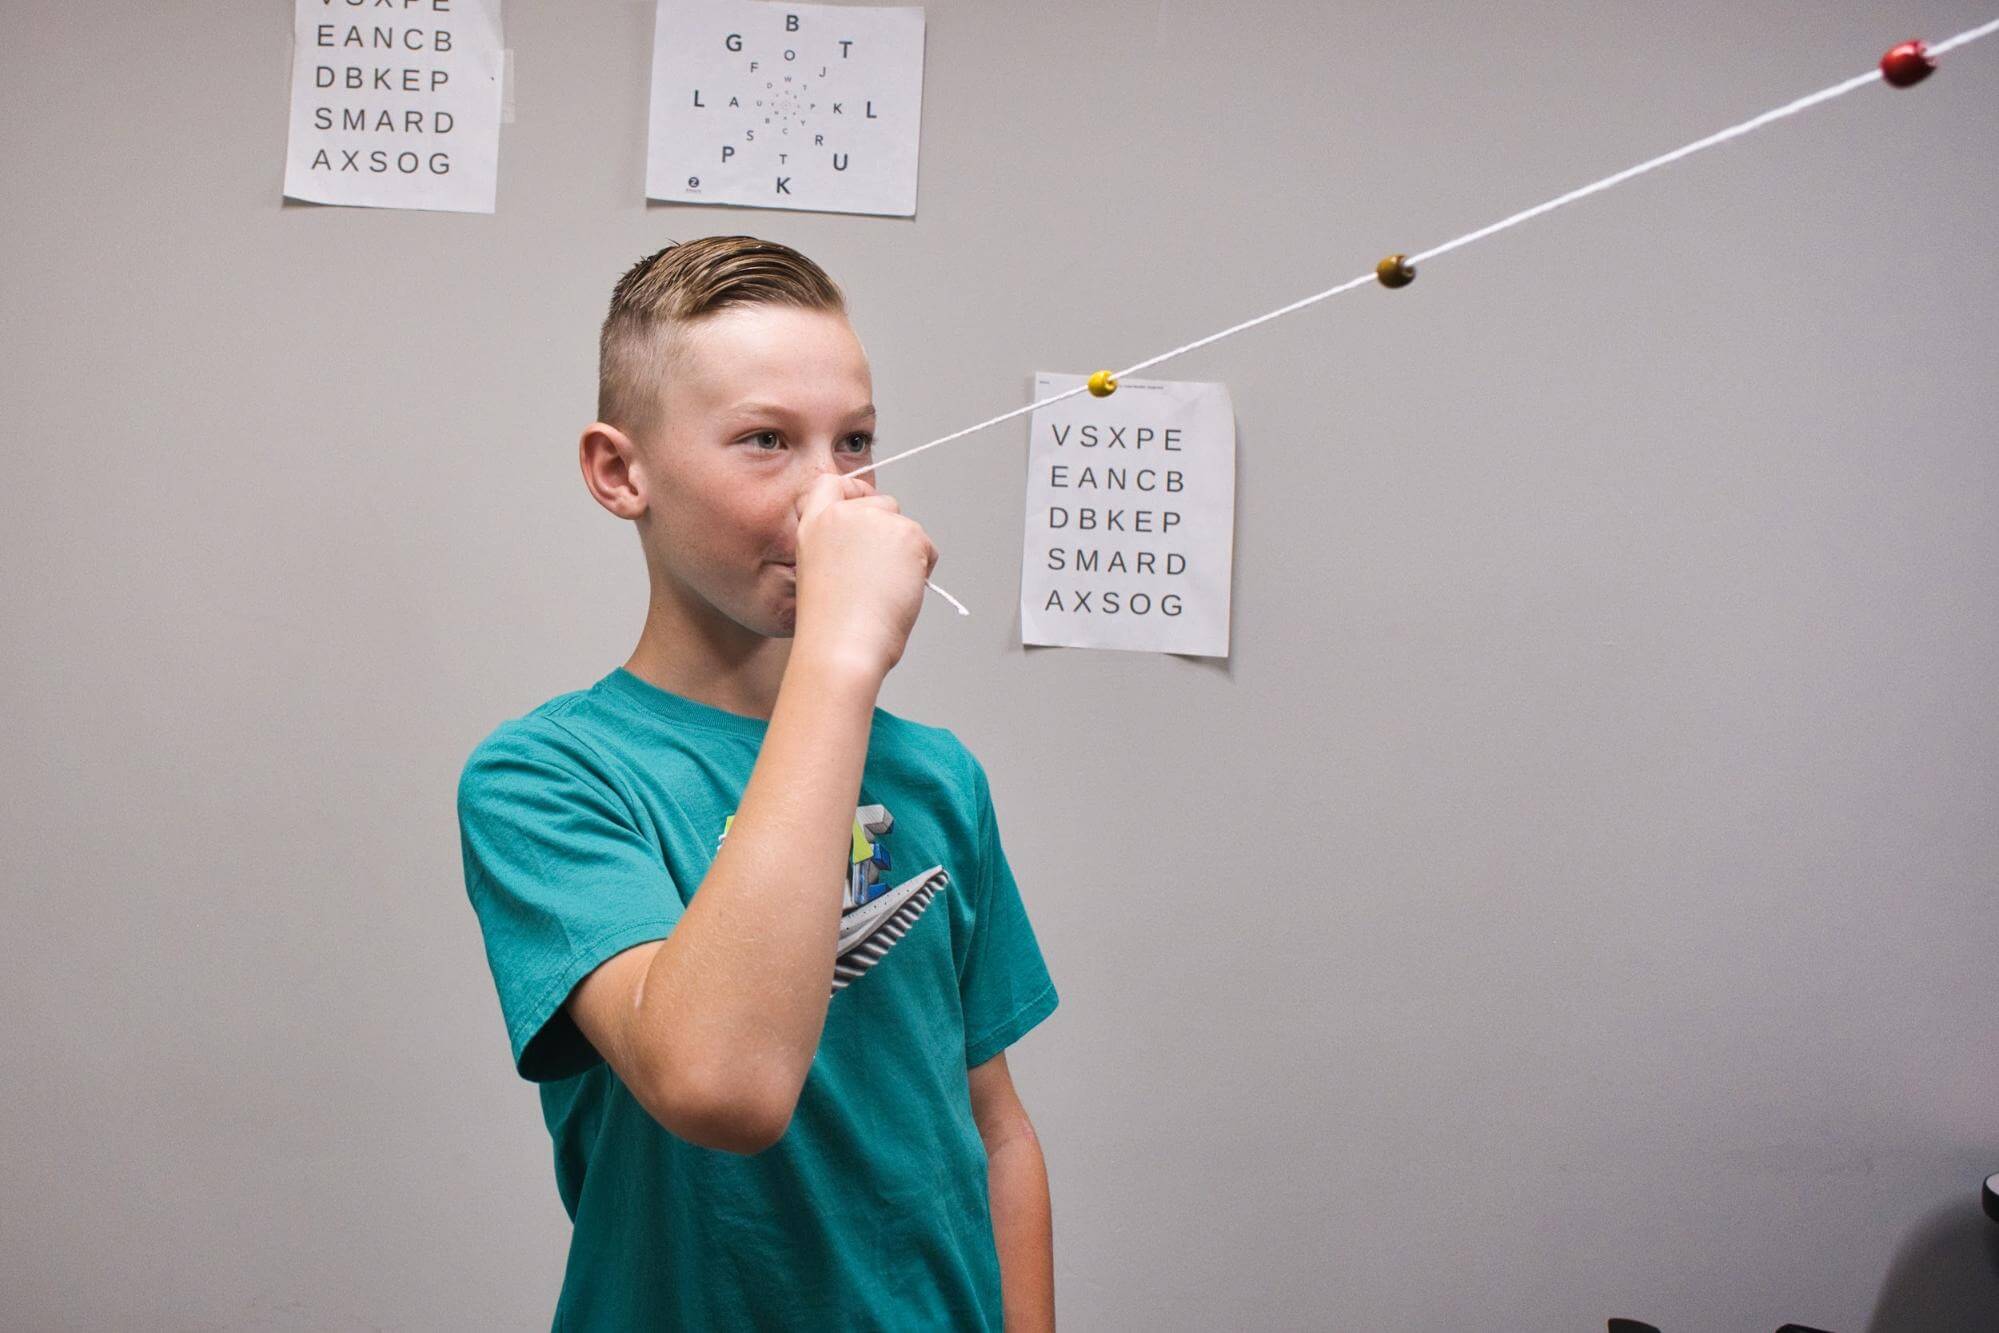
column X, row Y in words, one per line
column 838, row 669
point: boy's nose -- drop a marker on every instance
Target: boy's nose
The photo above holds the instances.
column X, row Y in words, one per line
column 829, row 466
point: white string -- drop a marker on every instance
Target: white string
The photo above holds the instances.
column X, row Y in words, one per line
column 947, row 597
column 1969, row 35
column 1734, row 131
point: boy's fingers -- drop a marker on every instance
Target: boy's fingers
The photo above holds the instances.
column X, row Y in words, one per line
column 824, row 490
column 830, row 487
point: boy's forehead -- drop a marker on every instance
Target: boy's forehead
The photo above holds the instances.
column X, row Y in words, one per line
column 747, row 359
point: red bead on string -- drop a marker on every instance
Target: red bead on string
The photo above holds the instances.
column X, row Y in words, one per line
column 1907, row 65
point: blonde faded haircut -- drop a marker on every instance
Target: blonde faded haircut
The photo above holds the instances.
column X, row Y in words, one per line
column 676, row 286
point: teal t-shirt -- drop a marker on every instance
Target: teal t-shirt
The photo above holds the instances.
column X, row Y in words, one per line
column 587, row 825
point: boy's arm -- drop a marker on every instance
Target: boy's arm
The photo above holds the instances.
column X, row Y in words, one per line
column 1017, row 1182
column 713, row 1028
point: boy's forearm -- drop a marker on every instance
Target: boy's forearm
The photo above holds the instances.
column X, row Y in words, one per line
column 1023, row 1231
column 736, row 997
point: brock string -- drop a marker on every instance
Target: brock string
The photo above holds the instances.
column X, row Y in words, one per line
column 1409, row 263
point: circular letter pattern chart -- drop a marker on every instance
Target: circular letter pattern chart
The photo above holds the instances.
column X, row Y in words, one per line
column 812, row 107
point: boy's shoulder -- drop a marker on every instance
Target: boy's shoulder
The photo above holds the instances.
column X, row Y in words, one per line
column 939, row 746
column 544, row 734
column 925, row 736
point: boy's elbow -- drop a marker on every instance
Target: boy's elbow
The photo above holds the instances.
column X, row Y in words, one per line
column 741, row 1127
column 729, row 1115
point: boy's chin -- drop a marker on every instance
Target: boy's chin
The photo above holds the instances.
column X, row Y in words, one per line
column 762, row 615
column 781, row 616
column 778, row 619
column 769, row 622
column 760, row 607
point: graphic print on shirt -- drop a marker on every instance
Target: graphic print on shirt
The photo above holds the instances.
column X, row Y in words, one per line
column 873, row 916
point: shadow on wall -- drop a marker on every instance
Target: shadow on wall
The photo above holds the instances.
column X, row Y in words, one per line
column 1945, row 1276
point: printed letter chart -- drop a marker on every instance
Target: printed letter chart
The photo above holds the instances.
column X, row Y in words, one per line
column 396, row 106
column 811, row 107
column 1130, row 518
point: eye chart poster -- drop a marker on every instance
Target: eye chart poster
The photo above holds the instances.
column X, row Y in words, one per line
column 395, row 104
column 1130, row 517
column 772, row 105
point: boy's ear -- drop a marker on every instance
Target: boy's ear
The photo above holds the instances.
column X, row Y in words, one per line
column 612, row 469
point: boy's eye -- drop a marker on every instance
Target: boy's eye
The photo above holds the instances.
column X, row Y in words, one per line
column 860, row 442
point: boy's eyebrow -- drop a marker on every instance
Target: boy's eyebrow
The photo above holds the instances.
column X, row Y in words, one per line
column 757, row 409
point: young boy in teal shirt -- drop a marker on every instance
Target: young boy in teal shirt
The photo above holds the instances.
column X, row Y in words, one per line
column 780, row 1101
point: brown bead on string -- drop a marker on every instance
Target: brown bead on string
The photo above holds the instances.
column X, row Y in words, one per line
column 1395, row 271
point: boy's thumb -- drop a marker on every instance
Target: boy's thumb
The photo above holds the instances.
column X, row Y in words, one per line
column 829, row 487
column 824, row 490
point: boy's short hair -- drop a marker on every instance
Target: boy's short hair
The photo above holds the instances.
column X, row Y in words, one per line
column 677, row 285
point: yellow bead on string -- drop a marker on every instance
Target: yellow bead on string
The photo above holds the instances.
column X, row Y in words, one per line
column 1102, row 385
column 1395, row 271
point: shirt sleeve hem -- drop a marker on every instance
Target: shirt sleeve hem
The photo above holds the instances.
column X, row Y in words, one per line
column 581, row 963
column 1012, row 1028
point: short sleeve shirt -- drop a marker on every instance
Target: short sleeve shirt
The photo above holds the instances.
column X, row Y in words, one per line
column 587, row 825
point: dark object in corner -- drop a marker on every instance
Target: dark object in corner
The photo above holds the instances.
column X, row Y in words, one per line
column 1637, row 1326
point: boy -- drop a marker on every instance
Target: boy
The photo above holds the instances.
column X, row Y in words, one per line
column 780, row 1101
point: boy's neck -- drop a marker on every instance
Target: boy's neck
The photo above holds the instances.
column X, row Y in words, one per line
column 711, row 660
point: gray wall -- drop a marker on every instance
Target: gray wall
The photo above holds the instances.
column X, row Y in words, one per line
column 1574, row 897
